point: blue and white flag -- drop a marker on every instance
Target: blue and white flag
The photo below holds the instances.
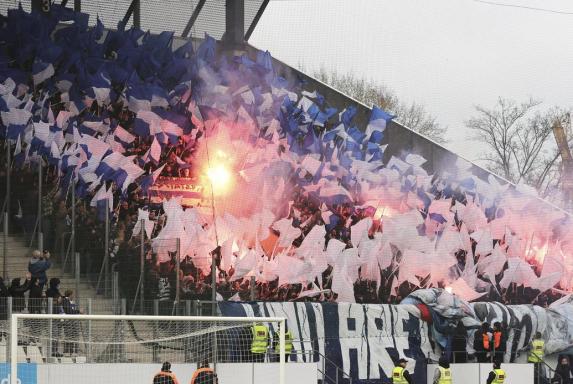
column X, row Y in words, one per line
column 155, row 151
column 147, row 124
column 15, row 121
column 41, row 72
column 377, row 125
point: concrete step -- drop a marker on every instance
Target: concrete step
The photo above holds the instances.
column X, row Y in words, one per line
column 18, row 257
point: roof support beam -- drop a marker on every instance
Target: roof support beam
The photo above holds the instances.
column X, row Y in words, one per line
column 135, row 10
column 256, row 20
column 193, row 18
column 234, row 23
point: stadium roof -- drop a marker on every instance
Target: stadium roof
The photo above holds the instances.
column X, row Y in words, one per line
column 187, row 18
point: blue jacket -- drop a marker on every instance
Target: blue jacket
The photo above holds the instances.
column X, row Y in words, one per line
column 38, row 268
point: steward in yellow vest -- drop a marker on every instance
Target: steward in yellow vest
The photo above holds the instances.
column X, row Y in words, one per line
column 399, row 374
column 537, row 349
column 443, row 374
column 288, row 345
column 260, row 341
column 497, row 375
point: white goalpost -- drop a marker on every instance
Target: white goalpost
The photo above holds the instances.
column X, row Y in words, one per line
column 94, row 349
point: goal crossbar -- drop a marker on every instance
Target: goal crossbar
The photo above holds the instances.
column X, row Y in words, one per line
column 248, row 320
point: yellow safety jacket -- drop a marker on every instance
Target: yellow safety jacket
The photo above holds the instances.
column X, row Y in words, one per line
column 260, row 338
column 537, row 351
column 499, row 376
column 288, row 342
column 445, row 376
column 398, row 376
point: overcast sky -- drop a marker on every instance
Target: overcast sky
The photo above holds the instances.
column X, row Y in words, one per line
column 446, row 54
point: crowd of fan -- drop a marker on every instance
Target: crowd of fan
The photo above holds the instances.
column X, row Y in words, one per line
column 30, row 293
column 125, row 250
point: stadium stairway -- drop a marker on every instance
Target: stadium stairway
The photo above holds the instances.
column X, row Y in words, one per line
column 17, row 257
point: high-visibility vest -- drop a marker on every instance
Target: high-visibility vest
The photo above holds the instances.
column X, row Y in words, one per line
column 496, row 339
column 197, row 372
column 398, row 376
column 164, row 377
column 537, row 351
column 260, row 338
column 445, row 376
column 288, row 343
column 485, row 341
column 499, row 376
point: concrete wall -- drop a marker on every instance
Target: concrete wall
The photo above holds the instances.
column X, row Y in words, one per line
column 243, row 373
column 478, row 373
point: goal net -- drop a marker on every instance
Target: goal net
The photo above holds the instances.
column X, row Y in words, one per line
column 96, row 349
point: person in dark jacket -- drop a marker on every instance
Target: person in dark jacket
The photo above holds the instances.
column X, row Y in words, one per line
column 53, row 290
column 3, row 305
column 17, row 291
column 3, row 289
column 35, row 296
column 482, row 343
column 204, row 375
column 38, row 265
column 499, row 342
column 459, row 344
column 165, row 376
column 504, row 336
column 71, row 327
column 563, row 372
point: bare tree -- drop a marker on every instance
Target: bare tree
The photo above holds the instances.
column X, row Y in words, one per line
column 412, row 115
column 519, row 142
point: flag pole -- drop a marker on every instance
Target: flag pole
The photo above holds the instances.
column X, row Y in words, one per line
column 213, row 254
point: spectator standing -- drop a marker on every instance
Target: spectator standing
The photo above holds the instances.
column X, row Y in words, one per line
column 400, row 374
column 3, row 305
column 504, row 337
column 38, row 266
column 204, row 375
column 563, row 372
column 260, row 342
column 443, row 374
column 61, row 227
column 35, row 296
column 71, row 327
column 47, row 215
column 482, row 343
column 57, row 326
column 459, row 344
column 53, row 290
column 17, row 291
column 498, row 341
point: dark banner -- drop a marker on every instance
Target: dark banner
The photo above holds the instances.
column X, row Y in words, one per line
column 363, row 340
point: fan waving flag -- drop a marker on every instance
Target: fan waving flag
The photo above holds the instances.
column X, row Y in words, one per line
column 377, row 125
column 155, row 151
column 41, row 72
column 102, row 197
column 15, row 121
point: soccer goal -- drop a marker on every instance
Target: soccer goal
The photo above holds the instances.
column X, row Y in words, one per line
column 98, row 349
